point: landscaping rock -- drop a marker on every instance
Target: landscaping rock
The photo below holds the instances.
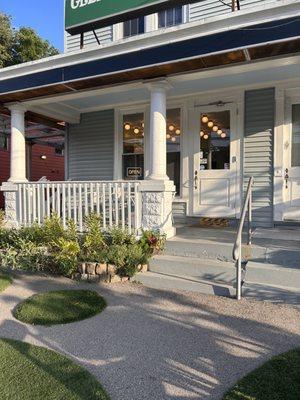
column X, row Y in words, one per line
column 93, row 278
column 82, row 268
column 143, row 268
column 101, row 269
column 111, row 269
column 91, row 268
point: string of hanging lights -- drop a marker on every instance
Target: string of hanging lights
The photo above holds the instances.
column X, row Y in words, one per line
column 213, row 128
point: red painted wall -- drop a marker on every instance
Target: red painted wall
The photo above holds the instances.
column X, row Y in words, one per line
column 52, row 167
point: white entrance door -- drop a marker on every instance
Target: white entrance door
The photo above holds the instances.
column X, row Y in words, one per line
column 291, row 180
column 215, row 153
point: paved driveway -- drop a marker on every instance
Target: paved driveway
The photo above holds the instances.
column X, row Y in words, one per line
column 154, row 345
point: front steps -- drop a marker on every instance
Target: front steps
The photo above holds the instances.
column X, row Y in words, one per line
column 200, row 260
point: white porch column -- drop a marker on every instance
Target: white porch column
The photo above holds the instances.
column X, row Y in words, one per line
column 157, row 190
column 17, row 144
column 158, row 130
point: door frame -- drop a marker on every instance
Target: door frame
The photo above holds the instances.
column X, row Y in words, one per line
column 287, row 210
column 235, row 155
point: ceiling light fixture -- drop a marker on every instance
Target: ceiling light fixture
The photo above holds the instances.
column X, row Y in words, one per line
column 210, row 124
column 205, row 119
column 127, row 127
column 171, row 128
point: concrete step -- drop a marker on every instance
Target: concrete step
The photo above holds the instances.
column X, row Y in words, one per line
column 201, row 269
column 274, row 294
column 167, row 282
column 222, row 272
column 210, row 250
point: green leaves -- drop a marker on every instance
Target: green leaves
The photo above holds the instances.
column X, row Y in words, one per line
column 23, row 45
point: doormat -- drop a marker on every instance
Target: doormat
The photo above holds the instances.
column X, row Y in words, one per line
column 212, row 223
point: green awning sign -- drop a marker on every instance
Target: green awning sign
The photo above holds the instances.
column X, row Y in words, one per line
column 86, row 15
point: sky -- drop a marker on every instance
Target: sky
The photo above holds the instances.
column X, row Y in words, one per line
column 45, row 16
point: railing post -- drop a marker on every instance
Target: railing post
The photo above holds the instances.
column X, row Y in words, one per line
column 239, row 273
column 11, row 193
column 250, row 218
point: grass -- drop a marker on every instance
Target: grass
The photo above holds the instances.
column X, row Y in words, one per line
column 29, row 372
column 278, row 379
column 62, row 307
column 5, row 281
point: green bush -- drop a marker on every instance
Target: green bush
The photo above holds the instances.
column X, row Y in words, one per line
column 133, row 258
column 52, row 248
column 152, row 242
column 93, row 247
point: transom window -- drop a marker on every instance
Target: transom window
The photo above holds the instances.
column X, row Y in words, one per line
column 170, row 17
column 296, row 135
column 134, row 27
column 215, row 141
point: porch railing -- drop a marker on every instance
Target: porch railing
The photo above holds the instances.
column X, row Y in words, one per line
column 237, row 248
column 117, row 202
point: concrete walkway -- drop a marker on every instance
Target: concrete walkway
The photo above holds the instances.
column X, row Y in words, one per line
column 154, row 345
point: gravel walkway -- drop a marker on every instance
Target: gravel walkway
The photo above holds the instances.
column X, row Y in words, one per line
column 155, row 345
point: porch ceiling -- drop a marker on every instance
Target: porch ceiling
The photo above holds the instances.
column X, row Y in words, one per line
column 158, row 59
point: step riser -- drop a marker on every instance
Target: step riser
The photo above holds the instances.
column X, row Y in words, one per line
column 222, row 252
column 199, row 272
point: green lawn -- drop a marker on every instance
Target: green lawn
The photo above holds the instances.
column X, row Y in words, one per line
column 33, row 373
column 278, row 379
column 5, row 281
column 60, row 307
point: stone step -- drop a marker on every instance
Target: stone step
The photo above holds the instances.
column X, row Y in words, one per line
column 225, row 272
column 210, row 250
column 201, row 269
column 275, row 294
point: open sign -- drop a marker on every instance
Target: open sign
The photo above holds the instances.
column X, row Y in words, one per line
column 134, row 172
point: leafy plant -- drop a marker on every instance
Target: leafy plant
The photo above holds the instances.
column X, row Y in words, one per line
column 93, row 242
column 133, row 258
column 119, row 236
column 53, row 229
column 65, row 256
column 152, row 242
column 2, row 219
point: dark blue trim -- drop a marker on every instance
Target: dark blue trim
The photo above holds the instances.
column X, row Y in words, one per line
column 220, row 42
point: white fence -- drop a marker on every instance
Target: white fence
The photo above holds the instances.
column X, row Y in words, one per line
column 118, row 203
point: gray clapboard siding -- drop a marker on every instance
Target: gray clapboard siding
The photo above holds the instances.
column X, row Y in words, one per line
column 258, row 152
column 91, row 147
column 211, row 8
column 105, row 35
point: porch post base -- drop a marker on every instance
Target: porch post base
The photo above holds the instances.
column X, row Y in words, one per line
column 157, row 199
column 11, row 212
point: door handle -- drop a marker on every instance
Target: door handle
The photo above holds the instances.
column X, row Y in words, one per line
column 196, row 180
column 286, row 177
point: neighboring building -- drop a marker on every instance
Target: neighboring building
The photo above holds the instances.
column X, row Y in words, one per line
column 44, row 156
column 199, row 94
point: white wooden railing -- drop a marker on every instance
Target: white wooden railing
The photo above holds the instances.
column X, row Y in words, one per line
column 118, row 203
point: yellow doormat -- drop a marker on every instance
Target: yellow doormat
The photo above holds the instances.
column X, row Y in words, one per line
column 212, row 223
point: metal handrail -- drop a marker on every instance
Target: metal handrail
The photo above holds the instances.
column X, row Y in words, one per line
column 237, row 248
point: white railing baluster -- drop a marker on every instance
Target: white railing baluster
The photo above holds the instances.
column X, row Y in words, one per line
column 110, row 205
column 129, row 207
column 104, row 204
column 63, row 205
column 80, row 217
column 97, row 198
column 48, row 199
column 122, row 206
column 118, row 203
column 75, row 202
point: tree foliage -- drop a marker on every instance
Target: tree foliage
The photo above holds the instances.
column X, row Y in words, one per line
column 21, row 45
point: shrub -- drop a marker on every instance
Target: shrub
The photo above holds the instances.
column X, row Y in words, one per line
column 65, row 256
column 93, row 241
column 52, row 229
column 133, row 258
column 152, row 242
column 2, row 219
column 119, row 236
